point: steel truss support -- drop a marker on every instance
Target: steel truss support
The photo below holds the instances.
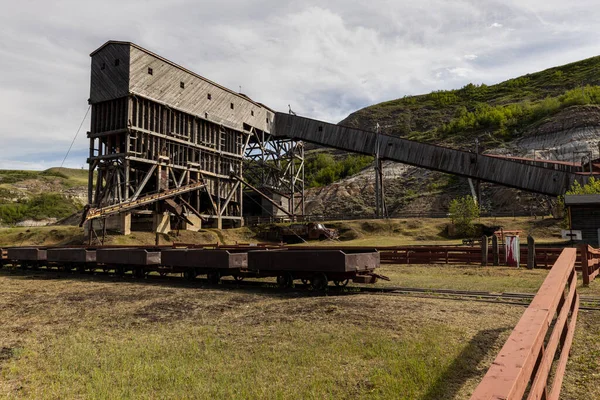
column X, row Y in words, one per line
column 277, row 165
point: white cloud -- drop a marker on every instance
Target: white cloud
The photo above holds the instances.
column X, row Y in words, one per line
column 326, row 58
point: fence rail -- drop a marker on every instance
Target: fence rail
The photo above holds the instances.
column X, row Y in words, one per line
column 523, row 366
column 545, row 257
column 590, row 263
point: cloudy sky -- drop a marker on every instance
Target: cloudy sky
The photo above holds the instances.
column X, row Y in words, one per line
column 326, row 58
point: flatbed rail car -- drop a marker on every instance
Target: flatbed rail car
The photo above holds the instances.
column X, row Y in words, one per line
column 317, row 266
column 214, row 263
column 27, row 257
column 69, row 258
column 139, row 261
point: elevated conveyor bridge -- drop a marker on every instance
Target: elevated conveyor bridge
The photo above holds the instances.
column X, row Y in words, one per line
column 502, row 171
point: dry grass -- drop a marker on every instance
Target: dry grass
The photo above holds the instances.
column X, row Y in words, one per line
column 98, row 338
column 464, row 277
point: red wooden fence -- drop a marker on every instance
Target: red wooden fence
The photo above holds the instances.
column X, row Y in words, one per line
column 522, row 368
column 590, row 263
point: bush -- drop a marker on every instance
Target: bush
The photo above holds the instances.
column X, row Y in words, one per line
column 463, row 211
column 45, row 205
column 323, row 169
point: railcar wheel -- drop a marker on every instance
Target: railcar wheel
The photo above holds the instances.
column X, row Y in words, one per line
column 214, row 277
column 238, row 278
column 285, row 281
column 119, row 271
column 139, row 273
column 304, row 281
column 190, row 274
column 319, row 282
column 343, row 283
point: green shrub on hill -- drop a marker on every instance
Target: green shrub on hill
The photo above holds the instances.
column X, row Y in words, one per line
column 45, row 205
column 516, row 115
column 323, row 169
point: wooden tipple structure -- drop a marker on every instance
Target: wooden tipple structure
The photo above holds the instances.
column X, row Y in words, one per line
column 165, row 142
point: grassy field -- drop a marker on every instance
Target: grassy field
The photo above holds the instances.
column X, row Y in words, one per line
column 98, row 338
column 73, row 336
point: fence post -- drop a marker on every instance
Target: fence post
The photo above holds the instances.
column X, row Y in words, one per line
column 530, row 252
column 484, row 251
column 495, row 250
column 585, row 269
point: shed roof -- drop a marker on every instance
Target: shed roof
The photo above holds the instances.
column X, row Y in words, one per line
column 582, row 199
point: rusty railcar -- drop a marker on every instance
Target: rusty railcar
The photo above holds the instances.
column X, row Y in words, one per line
column 72, row 257
column 215, row 263
column 317, row 266
column 26, row 257
column 138, row 260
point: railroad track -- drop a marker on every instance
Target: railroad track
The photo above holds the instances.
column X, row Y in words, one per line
column 589, row 303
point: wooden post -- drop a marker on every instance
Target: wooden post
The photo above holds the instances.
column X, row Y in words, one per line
column 585, row 269
column 530, row 252
column 484, row 251
column 495, row 250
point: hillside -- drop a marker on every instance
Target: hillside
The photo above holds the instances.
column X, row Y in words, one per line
column 496, row 113
column 552, row 114
column 39, row 197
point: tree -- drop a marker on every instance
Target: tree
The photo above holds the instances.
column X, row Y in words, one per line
column 463, row 211
column 592, row 187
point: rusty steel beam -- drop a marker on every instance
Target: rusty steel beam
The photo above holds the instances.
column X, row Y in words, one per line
column 95, row 213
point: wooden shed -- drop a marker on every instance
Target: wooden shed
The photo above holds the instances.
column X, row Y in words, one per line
column 584, row 216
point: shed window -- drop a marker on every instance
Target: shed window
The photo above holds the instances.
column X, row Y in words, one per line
column 267, row 120
column 208, row 96
column 150, row 71
column 117, row 62
column 252, row 112
column 231, row 106
column 182, row 85
column 103, row 66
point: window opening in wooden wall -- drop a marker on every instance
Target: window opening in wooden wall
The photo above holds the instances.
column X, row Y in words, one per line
column 182, row 85
column 150, row 71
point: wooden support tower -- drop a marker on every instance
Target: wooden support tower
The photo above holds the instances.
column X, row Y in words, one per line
column 157, row 126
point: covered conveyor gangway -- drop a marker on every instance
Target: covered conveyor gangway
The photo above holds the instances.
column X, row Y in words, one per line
column 548, row 181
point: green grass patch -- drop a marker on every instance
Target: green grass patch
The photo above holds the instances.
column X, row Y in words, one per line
column 293, row 360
